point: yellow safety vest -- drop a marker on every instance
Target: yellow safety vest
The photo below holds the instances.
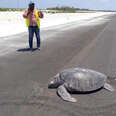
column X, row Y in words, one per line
column 37, row 17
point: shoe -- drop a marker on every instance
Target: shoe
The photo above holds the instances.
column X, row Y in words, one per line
column 38, row 48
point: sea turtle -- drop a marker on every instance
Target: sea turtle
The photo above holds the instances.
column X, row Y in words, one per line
column 78, row 80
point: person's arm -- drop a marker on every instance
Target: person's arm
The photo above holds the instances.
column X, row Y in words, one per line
column 40, row 13
column 26, row 13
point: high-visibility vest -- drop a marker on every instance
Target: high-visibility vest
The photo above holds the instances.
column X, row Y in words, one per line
column 37, row 17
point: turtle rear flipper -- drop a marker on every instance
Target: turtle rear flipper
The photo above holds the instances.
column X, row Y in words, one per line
column 63, row 93
column 108, row 87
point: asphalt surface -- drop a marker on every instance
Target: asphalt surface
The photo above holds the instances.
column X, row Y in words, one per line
column 24, row 74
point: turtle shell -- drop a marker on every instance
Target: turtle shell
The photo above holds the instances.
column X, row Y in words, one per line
column 83, row 80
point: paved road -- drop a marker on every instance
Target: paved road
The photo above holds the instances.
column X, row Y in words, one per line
column 24, row 75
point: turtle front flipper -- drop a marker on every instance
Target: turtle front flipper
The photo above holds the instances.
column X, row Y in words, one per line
column 108, row 87
column 63, row 93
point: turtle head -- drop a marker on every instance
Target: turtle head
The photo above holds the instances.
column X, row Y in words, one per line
column 55, row 82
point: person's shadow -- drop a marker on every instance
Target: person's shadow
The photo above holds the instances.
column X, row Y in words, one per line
column 27, row 49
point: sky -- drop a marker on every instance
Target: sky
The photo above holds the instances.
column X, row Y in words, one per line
column 42, row 4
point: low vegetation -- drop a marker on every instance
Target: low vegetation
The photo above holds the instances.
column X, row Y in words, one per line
column 66, row 9
column 63, row 9
column 11, row 9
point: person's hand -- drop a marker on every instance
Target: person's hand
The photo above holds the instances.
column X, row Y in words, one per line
column 41, row 14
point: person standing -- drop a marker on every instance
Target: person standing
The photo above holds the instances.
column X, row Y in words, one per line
column 32, row 17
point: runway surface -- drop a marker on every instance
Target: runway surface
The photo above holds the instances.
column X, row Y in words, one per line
column 24, row 75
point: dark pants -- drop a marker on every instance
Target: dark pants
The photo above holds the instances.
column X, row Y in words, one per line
column 32, row 30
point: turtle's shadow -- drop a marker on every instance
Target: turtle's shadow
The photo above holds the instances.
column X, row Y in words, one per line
column 27, row 49
column 87, row 92
column 82, row 93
